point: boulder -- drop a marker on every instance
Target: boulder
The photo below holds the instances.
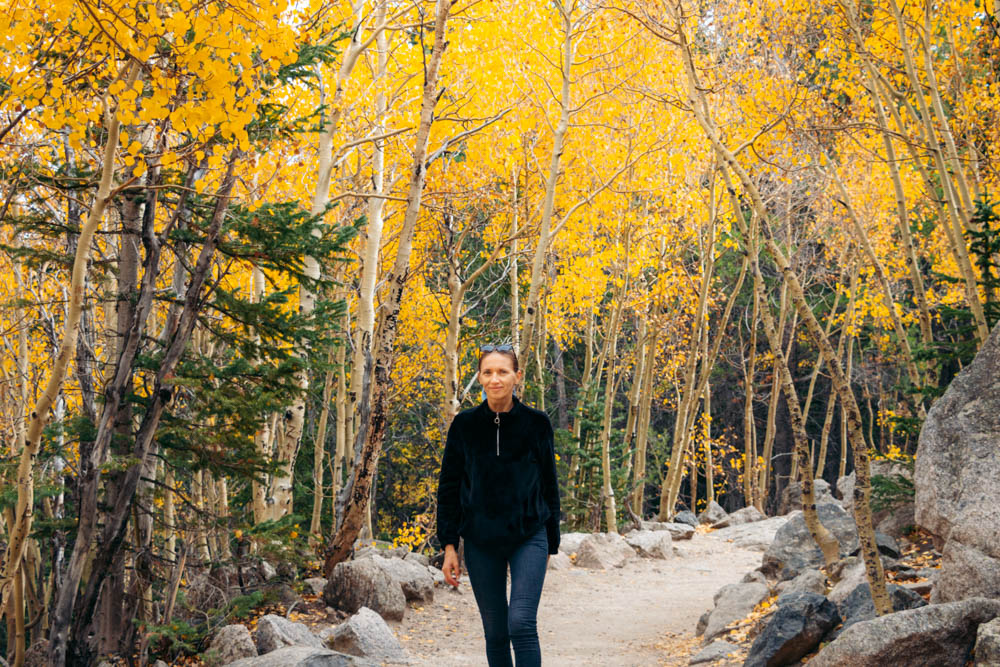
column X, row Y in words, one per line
column 688, row 517
column 965, row 572
column 845, row 491
column 603, row 551
column 988, row 644
column 756, row 536
column 795, row 629
column 897, row 521
column 754, row 576
column 315, row 585
column 231, row 643
column 303, row 656
column 651, row 544
column 732, row 603
column 569, row 543
column 274, row 632
column 362, row 583
column 858, row 606
column 957, row 477
column 421, row 559
column 366, row 635
column 938, row 635
column 678, row 531
column 713, row 513
column 717, row 650
column 808, row 581
column 436, row 575
column 887, row 546
column 559, row 561
column 748, row 514
column 266, row 570
column 850, row 573
column 791, row 496
column 415, row 581
column 794, row 548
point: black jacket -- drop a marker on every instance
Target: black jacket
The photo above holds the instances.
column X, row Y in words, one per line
column 498, row 480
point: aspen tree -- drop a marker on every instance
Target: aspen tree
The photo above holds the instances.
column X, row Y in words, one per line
column 824, row 538
column 373, row 428
column 862, row 507
column 19, row 531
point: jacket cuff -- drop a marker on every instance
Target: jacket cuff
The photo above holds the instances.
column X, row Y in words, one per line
column 552, row 532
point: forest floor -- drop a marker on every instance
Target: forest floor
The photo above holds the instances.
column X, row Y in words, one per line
column 644, row 613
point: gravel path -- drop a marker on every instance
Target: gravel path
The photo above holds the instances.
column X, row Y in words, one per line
column 642, row 614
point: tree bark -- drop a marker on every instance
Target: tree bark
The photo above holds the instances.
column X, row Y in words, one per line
column 372, row 433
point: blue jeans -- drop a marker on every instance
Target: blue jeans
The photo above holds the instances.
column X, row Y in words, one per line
column 514, row 623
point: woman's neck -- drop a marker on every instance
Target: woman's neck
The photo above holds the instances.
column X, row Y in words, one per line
column 505, row 406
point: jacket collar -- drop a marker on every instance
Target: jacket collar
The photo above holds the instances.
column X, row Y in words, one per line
column 486, row 411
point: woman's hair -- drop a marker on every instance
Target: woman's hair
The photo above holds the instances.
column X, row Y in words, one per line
column 505, row 350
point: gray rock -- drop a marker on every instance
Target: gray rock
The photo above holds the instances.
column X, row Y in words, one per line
column 732, row 603
column 754, row 576
column 808, row 581
column 938, row 635
column 303, row 656
column 717, row 650
column 362, row 583
column 436, row 575
column 274, row 632
column 569, row 543
column 603, row 551
column 887, row 546
column 415, row 581
column 795, row 629
column 678, row 531
column 713, row 513
column 316, row 585
column 845, row 491
column 651, row 544
column 748, row 514
column 756, row 536
column 988, row 644
column 366, row 635
column 858, row 606
column 957, row 477
column 699, row 629
column 559, row 561
column 794, row 548
column 266, row 570
column 688, row 517
column 232, row 643
column 791, row 496
column 851, row 573
column 897, row 521
column 966, row 571
column 421, row 559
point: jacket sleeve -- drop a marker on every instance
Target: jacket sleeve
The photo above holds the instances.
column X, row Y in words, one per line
column 550, row 486
column 449, row 507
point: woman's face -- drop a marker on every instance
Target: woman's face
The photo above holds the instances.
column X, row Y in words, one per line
column 498, row 377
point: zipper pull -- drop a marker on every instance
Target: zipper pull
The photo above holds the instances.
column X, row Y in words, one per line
column 496, row 420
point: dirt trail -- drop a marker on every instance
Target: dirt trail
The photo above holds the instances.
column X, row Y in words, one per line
column 642, row 614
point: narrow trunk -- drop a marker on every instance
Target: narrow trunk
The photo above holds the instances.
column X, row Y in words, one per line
column 372, row 433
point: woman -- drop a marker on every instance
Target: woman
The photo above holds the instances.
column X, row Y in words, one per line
column 498, row 490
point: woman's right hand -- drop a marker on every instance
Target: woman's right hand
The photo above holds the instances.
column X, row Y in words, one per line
column 450, row 566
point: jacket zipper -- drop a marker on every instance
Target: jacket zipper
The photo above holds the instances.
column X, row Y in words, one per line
column 496, row 420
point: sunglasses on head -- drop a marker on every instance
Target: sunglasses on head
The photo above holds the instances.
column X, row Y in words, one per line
column 496, row 348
